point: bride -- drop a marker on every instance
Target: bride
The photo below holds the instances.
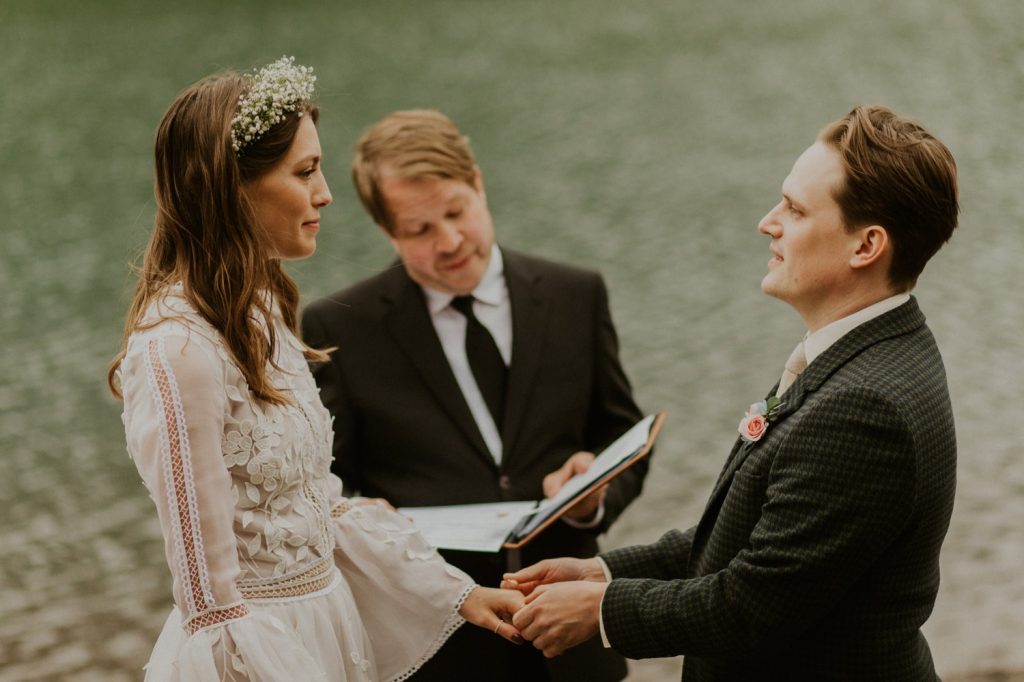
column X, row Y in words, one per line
column 275, row 575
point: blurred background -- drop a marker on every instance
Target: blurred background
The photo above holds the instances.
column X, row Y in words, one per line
column 644, row 139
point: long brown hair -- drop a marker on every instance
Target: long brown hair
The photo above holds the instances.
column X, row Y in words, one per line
column 205, row 235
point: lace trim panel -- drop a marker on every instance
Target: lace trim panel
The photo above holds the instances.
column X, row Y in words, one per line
column 176, row 461
column 341, row 509
column 314, row 579
column 319, row 504
column 215, row 616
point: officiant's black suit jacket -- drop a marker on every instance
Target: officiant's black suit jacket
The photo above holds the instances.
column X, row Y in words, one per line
column 403, row 431
column 817, row 556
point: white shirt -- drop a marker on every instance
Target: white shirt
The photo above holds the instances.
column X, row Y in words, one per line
column 817, row 343
column 492, row 307
column 814, row 345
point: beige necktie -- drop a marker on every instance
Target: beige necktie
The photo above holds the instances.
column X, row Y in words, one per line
column 796, row 364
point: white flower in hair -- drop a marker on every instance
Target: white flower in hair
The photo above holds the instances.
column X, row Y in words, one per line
column 275, row 90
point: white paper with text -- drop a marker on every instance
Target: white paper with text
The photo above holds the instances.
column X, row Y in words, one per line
column 470, row 527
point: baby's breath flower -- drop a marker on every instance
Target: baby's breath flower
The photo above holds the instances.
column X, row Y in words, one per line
column 274, row 91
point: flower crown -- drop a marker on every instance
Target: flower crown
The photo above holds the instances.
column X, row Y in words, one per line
column 275, row 90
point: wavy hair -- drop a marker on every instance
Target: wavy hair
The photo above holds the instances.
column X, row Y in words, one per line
column 899, row 176
column 206, row 236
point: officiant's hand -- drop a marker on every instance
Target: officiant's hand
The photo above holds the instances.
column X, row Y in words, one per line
column 550, row 571
column 492, row 610
column 585, row 509
column 558, row 617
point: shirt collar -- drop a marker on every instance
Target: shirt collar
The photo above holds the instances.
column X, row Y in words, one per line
column 489, row 291
column 817, row 343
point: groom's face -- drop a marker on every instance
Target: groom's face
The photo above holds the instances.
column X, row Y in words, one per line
column 811, row 248
column 441, row 229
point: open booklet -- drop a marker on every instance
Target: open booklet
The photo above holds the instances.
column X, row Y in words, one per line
column 489, row 527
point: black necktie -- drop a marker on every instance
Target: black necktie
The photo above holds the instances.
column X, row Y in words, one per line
column 484, row 359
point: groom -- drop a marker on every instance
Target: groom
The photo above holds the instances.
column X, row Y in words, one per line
column 817, row 556
column 471, row 373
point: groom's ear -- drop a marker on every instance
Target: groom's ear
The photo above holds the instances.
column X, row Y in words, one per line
column 871, row 246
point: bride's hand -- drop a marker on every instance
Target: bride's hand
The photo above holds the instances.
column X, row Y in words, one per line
column 492, row 609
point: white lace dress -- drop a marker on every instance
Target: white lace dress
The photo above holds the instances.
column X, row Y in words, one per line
column 275, row 575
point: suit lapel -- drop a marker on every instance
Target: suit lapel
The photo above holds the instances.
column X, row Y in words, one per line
column 901, row 320
column 737, row 455
column 529, row 324
column 409, row 324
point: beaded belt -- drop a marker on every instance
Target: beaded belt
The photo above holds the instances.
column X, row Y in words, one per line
column 315, row 578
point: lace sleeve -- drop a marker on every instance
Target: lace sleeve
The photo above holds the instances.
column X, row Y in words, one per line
column 175, row 404
column 393, row 570
column 339, row 504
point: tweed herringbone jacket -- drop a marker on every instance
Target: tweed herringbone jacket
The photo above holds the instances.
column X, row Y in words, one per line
column 817, row 556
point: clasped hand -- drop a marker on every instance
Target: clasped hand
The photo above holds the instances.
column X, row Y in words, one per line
column 555, row 603
column 493, row 609
column 562, row 605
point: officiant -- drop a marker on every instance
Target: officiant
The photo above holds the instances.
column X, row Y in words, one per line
column 471, row 373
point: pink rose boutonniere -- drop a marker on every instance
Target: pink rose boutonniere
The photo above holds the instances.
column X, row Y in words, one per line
column 759, row 416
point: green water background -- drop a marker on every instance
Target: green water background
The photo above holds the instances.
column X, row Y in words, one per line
column 644, row 139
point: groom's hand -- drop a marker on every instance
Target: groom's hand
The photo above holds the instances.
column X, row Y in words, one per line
column 553, row 571
column 558, row 617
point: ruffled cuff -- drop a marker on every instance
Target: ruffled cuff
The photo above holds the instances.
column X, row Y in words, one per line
column 256, row 647
column 407, row 596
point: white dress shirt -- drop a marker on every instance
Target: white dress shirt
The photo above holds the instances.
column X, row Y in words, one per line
column 814, row 345
column 492, row 307
column 817, row 343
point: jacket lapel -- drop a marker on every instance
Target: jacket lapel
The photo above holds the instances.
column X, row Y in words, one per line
column 529, row 324
column 409, row 324
column 897, row 322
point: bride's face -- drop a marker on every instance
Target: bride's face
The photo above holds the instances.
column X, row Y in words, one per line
column 287, row 199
